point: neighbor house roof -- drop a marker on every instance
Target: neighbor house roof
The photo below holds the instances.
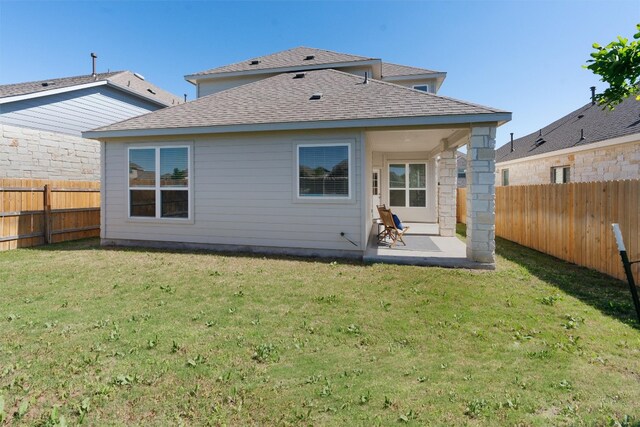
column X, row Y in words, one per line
column 285, row 101
column 393, row 70
column 296, row 57
column 124, row 80
column 586, row 125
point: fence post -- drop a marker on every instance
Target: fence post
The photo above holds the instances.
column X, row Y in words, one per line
column 627, row 268
column 47, row 213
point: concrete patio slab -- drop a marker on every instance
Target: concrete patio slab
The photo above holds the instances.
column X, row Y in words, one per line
column 424, row 248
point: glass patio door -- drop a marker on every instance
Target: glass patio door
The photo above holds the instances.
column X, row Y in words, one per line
column 408, row 185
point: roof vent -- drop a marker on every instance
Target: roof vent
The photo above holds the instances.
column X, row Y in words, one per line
column 540, row 141
column 582, row 138
column 315, row 96
column 45, row 84
column 299, row 76
column 512, row 149
column 309, row 57
column 366, row 78
column 581, row 116
column 151, row 91
column 140, row 76
column 254, row 62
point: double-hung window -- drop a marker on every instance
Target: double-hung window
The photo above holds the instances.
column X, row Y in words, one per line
column 323, row 171
column 159, row 184
column 408, row 185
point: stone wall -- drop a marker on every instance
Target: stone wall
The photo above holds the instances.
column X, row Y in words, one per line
column 610, row 163
column 37, row 154
column 447, row 173
column 481, row 206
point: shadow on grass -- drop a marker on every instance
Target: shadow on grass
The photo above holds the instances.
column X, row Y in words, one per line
column 93, row 243
column 610, row 296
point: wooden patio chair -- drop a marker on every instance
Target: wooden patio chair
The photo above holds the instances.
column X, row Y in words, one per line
column 390, row 229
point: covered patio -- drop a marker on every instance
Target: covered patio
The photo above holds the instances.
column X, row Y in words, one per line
column 424, row 247
column 414, row 172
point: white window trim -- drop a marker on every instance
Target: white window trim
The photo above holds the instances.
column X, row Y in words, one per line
column 407, row 188
column 316, row 199
column 157, row 188
column 420, row 85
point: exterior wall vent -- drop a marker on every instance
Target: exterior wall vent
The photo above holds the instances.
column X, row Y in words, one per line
column 299, row 76
column 309, row 57
column 254, row 62
column 317, row 95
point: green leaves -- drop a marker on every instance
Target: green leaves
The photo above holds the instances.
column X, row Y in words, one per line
column 618, row 65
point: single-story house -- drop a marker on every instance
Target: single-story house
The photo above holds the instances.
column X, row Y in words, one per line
column 591, row 143
column 291, row 153
column 41, row 122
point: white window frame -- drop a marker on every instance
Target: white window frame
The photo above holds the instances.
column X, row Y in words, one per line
column 505, row 173
column 407, row 188
column 157, row 187
column 560, row 169
column 324, row 198
column 421, row 85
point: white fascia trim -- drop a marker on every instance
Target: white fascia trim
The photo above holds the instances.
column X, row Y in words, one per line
column 51, row 92
column 593, row 146
column 329, row 124
column 193, row 78
column 137, row 94
column 414, row 77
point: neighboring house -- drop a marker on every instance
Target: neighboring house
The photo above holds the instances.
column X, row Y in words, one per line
column 290, row 153
column 461, row 161
column 589, row 144
column 41, row 122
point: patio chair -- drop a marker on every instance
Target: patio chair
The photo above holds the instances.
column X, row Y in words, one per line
column 390, row 229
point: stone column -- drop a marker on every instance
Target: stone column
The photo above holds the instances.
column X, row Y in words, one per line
column 481, row 166
column 447, row 183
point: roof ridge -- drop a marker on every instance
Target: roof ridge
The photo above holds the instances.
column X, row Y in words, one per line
column 110, row 73
column 410, row 66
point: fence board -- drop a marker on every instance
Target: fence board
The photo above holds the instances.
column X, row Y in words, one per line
column 570, row 221
column 75, row 211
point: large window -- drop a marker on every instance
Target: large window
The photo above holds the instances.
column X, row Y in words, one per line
column 323, row 171
column 408, row 185
column 159, row 182
column 560, row 175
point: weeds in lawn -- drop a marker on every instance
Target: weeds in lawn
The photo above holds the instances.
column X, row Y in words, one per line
column 109, row 341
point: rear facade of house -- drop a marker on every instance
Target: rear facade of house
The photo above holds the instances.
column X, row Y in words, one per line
column 291, row 153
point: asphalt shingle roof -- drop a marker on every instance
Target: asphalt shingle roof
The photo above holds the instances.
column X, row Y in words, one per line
column 287, row 58
column 391, row 70
column 123, row 78
column 592, row 121
column 286, row 99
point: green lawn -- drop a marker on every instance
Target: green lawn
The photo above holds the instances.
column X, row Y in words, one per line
column 121, row 336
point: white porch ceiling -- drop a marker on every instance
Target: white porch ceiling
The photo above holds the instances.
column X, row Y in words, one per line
column 411, row 140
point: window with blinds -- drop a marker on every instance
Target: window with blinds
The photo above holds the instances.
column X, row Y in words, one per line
column 323, row 171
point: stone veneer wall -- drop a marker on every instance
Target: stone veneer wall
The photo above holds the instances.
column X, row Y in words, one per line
column 481, row 205
column 601, row 164
column 447, row 174
column 36, row 154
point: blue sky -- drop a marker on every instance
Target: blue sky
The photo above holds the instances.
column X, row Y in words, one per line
column 521, row 56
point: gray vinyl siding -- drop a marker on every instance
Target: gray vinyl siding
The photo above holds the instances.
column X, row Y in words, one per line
column 75, row 111
column 243, row 194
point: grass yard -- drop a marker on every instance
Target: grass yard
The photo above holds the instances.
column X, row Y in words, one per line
column 119, row 336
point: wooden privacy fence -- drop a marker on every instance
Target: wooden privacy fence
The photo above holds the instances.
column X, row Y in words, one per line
column 570, row 221
column 35, row 212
